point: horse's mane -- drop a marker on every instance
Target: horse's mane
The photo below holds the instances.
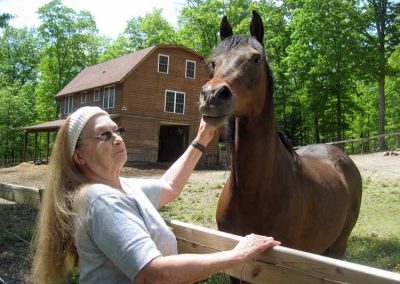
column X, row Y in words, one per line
column 237, row 41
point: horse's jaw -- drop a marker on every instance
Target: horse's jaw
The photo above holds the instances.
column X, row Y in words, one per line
column 215, row 121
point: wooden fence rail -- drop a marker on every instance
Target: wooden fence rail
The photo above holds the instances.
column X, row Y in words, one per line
column 279, row 265
column 276, row 266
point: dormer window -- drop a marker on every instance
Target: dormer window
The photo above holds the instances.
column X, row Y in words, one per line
column 68, row 104
column 83, row 98
column 190, row 69
column 109, row 97
column 163, row 63
column 96, row 95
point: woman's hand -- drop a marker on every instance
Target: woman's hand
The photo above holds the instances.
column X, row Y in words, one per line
column 206, row 133
column 252, row 245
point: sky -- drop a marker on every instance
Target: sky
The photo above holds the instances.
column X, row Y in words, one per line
column 111, row 16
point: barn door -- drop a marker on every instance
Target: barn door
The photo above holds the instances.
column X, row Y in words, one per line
column 173, row 141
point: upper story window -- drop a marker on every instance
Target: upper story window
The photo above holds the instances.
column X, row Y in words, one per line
column 83, row 98
column 109, row 97
column 163, row 63
column 174, row 102
column 190, row 69
column 96, row 95
column 68, row 104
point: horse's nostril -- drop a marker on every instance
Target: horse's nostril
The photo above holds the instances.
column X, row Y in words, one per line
column 224, row 93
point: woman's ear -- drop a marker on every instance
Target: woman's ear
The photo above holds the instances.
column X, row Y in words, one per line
column 78, row 158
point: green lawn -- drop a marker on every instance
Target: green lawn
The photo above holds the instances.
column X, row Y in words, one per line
column 375, row 240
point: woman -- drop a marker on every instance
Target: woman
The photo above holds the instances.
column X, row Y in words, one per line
column 109, row 226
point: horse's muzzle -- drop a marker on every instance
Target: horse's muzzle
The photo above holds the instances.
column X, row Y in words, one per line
column 215, row 100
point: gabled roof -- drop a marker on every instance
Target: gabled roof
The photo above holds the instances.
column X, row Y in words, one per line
column 46, row 126
column 111, row 71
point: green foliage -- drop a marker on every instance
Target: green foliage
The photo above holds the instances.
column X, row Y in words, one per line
column 16, row 103
column 4, row 19
column 19, row 56
column 71, row 45
column 149, row 30
column 326, row 56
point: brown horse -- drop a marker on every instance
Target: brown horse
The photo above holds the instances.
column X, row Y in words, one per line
column 309, row 200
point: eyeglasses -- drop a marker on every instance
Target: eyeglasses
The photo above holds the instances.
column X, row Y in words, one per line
column 107, row 135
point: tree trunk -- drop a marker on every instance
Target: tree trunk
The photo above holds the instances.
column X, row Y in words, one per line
column 381, row 124
column 381, row 13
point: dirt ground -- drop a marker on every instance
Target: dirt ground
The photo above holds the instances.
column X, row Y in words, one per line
column 377, row 165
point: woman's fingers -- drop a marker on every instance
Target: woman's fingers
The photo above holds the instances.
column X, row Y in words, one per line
column 252, row 245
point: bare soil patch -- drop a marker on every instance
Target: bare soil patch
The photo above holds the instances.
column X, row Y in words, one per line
column 375, row 165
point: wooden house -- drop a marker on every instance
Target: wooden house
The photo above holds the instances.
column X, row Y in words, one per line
column 153, row 92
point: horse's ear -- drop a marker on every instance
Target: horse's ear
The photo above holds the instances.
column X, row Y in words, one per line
column 257, row 27
column 225, row 29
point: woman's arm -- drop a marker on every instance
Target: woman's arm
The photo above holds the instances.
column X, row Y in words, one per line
column 176, row 177
column 189, row 268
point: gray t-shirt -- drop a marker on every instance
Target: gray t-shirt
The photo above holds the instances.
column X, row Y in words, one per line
column 117, row 234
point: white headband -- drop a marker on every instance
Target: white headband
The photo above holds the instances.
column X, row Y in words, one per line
column 77, row 122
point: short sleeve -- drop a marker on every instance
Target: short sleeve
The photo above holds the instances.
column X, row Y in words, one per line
column 118, row 230
column 151, row 188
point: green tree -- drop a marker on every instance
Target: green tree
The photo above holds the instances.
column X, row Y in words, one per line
column 198, row 24
column 4, row 19
column 19, row 57
column 378, row 22
column 71, row 45
column 321, row 61
column 149, row 30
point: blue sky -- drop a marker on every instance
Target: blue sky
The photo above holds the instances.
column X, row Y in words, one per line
column 110, row 16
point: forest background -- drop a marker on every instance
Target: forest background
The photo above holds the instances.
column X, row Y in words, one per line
column 336, row 63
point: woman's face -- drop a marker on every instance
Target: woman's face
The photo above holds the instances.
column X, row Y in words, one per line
column 97, row 156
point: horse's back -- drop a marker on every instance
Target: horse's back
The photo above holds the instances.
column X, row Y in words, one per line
column 321, row 153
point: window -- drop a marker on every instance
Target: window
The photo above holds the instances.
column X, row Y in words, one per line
column 68, row 104
column 174, row 102
column 109, row 97
column 96, row 95
column 190, row 69
column 83, row 98
column 163, row 63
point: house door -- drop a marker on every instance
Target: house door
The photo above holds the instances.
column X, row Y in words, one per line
column 173, row 141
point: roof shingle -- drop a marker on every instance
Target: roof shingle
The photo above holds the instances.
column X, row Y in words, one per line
column 106, row 73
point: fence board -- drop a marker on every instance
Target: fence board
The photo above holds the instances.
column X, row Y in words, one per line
column 281, row 264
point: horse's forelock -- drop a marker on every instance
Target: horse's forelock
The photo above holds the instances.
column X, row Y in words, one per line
column 236, row 41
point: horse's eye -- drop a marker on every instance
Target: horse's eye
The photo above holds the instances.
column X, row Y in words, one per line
column 256, row 58
column 213, row 65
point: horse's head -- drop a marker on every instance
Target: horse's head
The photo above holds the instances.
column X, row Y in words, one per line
column 239, row 75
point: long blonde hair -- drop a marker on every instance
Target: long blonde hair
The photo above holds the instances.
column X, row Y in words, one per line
column 55, row 253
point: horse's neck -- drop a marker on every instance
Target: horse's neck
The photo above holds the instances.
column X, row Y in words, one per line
column 257, row 150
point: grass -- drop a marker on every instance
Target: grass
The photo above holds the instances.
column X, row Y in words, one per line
column 375, row 240
column 196, row 205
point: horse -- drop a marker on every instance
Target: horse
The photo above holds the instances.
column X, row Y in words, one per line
column 308, row 199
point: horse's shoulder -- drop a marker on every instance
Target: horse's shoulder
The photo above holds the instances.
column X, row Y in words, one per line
column 324, row 151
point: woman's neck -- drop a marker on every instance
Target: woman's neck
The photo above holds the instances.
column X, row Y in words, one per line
column 107, row 178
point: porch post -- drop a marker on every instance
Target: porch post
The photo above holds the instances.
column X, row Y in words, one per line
column 26, row 146
column 48, row 147
column 35, row 150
